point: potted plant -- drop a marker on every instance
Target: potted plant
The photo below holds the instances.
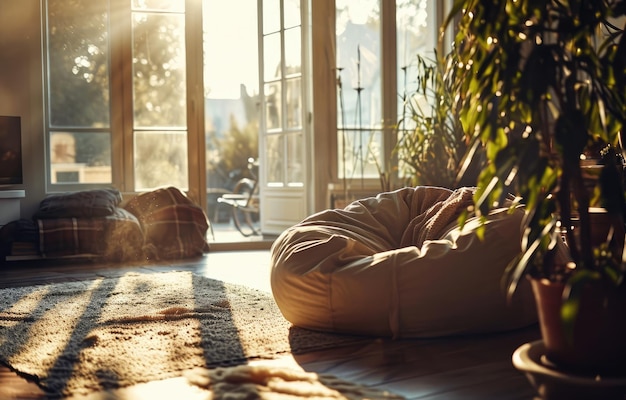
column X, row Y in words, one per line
column 542, row 87
column 431, row 143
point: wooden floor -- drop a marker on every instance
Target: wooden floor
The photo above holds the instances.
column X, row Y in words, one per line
column 476, row 367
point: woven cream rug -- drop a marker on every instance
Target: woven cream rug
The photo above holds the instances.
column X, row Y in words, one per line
column 77, row 337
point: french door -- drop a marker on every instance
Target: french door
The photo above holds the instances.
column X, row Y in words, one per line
column 284, row 131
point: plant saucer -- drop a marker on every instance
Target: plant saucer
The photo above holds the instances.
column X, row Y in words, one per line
column 552, row 383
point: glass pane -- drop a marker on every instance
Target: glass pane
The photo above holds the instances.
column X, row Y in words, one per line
column 295, row 160
column 231, row 88
column 161, row 5
column 359, row 103
column 274, row 150
column 230, row 74
column 273, row 106
column 294, row 104
column 80, row 157
column 160, row 160
column 360, row 153
column 271, row 16
column 78, row 51
column 159, row 86
column 293, row 52
column 358, row 60
column 416, row 32
column 271, row 57
column 292, row 13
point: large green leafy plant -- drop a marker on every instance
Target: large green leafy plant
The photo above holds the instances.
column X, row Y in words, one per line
column 542, row 86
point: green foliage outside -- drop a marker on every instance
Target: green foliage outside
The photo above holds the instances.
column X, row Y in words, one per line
column 78, row 44
column 167, row 160
column 229, row 153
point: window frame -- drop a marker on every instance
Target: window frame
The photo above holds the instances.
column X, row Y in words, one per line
column 121, row 113
column 324, row 88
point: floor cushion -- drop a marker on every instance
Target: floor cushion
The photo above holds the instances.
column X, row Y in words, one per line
column 398, row 265
column 92, row 203
column 115, row 237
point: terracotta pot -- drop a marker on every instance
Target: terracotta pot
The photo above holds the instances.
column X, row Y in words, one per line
column 599, row 336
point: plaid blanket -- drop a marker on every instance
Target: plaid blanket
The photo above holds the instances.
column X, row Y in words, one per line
column 175, row 231
column 173, row 226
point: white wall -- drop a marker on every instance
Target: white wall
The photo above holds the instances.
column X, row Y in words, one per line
column 21, row 92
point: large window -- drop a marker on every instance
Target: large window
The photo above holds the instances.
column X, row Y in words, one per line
column 96, row 51
column 365, row 31
column 79, row 135
column 159, row 95
column 133, row 102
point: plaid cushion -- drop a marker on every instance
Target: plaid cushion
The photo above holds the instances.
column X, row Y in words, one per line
column 116, row 237
column 71, row 236
column 173, row 226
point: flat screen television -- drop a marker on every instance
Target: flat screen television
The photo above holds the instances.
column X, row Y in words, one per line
column 10, row 150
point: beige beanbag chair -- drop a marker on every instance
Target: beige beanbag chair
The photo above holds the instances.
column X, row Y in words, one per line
column 398, row 265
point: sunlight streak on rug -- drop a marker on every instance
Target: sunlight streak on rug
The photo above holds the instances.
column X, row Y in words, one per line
column 45, row 306
column 22, row 308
